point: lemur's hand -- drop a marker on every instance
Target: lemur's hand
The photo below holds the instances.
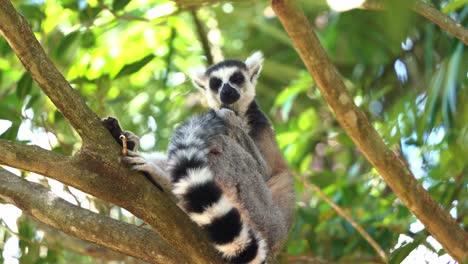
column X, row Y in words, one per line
column 112, row 124
column 231, row 118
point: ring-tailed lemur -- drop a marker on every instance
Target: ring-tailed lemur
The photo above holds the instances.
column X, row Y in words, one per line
column 243, row 198
column 231, row 84
column 204, row 192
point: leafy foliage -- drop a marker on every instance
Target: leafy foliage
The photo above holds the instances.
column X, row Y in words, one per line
column 130, row 58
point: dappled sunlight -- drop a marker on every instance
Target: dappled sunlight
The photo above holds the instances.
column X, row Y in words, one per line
column 340, row 5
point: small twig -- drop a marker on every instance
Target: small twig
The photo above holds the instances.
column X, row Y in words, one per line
column 124, row 144
column 202, row 37
column 346, row 216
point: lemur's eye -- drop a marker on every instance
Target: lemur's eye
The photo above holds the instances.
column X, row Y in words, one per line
column 215, row 83
column 237, row 78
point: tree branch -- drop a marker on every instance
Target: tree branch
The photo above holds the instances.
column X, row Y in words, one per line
column 57, row 240
column 202, row 37
column 31, row 158
column 48, row 208
column 348, row 218
column 118, row 185
column 429, row 12
column 423, row 9
column 439, row 223
column 16, row 31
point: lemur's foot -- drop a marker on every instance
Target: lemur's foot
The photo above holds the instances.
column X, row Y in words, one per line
column 112, row 124
column 139, row 163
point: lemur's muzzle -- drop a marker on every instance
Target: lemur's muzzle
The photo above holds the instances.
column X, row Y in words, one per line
column 228, row 94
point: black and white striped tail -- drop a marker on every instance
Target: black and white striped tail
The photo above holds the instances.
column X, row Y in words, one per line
column 203, row 200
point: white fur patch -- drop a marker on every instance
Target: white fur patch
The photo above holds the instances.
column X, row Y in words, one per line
column 190, row 153
column 254, row 59
column 198, row 77
column 195, row 177
column 220, row 208
column 261, row 252
column 224, row 73
column 239, row 243
column 191, row 139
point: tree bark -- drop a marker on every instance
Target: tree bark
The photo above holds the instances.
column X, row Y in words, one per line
column 36, row 200
column 392, row 169
column 54, row 239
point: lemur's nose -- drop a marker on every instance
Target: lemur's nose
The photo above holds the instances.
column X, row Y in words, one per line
column 228, row 94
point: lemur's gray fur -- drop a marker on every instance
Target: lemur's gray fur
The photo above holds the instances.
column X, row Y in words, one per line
column 231, row 84
column 225, row 167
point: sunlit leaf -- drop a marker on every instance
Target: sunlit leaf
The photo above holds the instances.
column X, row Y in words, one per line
column 399, row 254
column 134, row 67
column 24, row 86
column 119, row 4
column 454, row 5
column 449, row 100
column 65, row 43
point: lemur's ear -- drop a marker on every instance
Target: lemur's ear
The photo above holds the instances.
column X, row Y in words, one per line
column 199, row 79
column 254, row 65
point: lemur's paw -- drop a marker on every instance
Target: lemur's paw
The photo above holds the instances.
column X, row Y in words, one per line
column 225, row 113
column 230, row 117
column 112, row 124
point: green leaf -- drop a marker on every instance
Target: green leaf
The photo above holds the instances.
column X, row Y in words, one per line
column 134, row 67
column 454, row 5
column 32, row 101
column 65, row 43
column 24, row 86
column 32, row 12
column 119, row 4
column 89, row 13
column 449, row 98
column 88, row 39
column 403, row 251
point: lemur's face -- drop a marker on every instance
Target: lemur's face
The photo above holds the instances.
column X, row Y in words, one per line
column 230, row 83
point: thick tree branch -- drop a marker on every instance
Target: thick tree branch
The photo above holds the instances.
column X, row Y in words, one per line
column 55, row 238
column 48, row 208
column 431, row 13
column 31, row 158
column 438, row 222
column 118, row 185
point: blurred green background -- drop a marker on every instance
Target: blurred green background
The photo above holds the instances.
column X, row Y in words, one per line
column 129, row 58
